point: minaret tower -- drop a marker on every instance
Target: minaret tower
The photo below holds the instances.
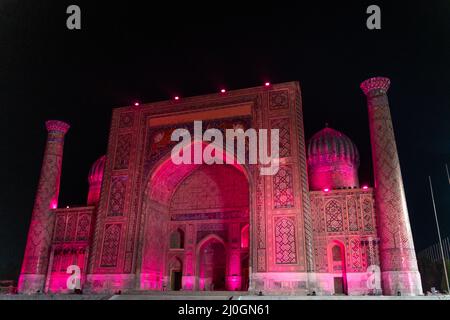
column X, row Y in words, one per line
column 35, row 262
column 398, row 259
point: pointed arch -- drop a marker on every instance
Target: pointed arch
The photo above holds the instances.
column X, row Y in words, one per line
column 337, row 266
column 158, row 188
column 211, row 267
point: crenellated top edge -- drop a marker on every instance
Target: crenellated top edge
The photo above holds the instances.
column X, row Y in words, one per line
column 56, row 125
column 375, row 83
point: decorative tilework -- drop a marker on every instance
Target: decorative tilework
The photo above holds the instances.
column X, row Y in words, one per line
column 111, row 245
column 283, row 193
column 285, row 248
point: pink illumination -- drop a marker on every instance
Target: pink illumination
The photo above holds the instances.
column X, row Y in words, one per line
column 213, row 265
column 336, row 260
column 53, row 204
column 365, row 187
column 326, row 189
column 36, row 257
column 245, row 236
column 136, row 104
column 95, row 178
column 176, row 98
column 223, row 90
column 169, row 174
column 267, row 84
column 233, row 283
column 61, row 261
column 188, row 283
column 333, row 161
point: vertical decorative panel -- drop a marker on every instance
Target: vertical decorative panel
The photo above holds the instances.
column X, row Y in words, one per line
column 366, row 207
column 283, row 194
column 60, row 228
column 355, row 253
column 84, row 224
column 122, row 158
column 110, row 245
column 71, row 227
column 320, row 256
column 117, row 196
column 285, row 135
column 352, row 214
column 333, row 212
column 285, row 248
column 316, row 215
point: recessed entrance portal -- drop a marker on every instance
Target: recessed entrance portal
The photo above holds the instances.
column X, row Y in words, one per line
column 199, row 216
column 175, row 280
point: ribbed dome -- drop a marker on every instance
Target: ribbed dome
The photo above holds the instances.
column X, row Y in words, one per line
column 96, row 172
column 333, row 161
column 329, row 144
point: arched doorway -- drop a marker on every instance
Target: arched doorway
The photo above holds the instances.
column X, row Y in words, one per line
column 336, row 259
column 212, row 265
column 245, row 272
column 176, row 274
column 184, row 205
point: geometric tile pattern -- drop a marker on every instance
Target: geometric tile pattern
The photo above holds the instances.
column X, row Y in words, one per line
column 71, row 227
column 367, row 211
column 352, row 214
column 126, row 120
column 110, row 245
column 284, row 134
column 84, row 223
column 278, row 100
column 325, row 209
column 333, row 213
column 355, row 252
column 117, row 196
column 283, row 193
column 285, row 249
column 42, row 220
column 396, row 243
column 60, row 228
column 122, row 157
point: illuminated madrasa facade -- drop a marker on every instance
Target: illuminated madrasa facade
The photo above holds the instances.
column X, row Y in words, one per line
column 152, row 225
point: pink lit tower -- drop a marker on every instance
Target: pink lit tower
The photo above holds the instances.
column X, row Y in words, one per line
column 398, row 258
column 34, row 267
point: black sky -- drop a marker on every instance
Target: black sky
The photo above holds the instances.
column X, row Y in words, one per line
column 128, row 52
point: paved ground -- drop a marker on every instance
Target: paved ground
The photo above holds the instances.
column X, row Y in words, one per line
column 218, row 295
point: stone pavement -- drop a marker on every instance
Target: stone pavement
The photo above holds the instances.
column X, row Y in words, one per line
column 216, row 295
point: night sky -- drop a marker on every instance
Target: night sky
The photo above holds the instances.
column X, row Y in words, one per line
column 125, row 53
